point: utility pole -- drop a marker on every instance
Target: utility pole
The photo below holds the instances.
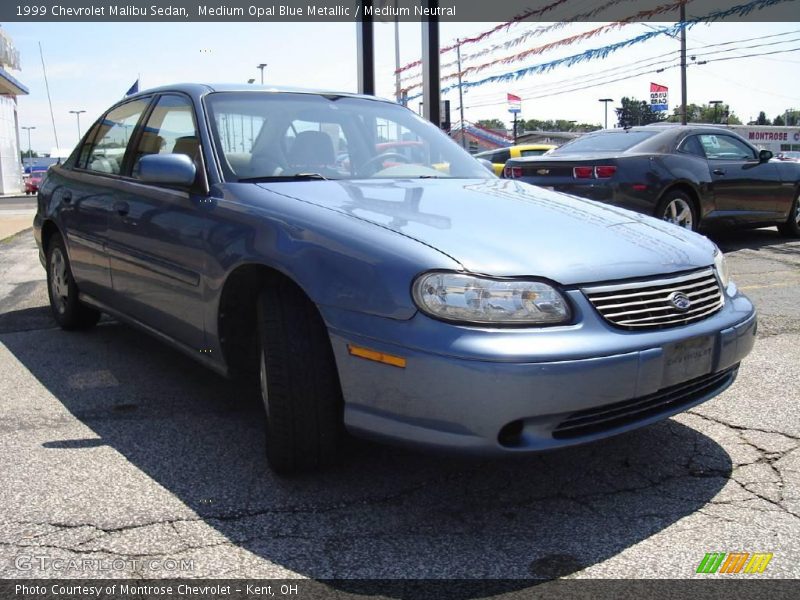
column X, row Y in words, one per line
column 30, row 152
column 398, row 95
column 683, row 63
column 605, row 102
column 261, row 68
column 461, row 99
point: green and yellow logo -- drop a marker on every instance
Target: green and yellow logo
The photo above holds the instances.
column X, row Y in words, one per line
column 734, row 562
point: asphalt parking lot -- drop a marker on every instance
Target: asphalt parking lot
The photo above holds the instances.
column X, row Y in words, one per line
column 113, row 446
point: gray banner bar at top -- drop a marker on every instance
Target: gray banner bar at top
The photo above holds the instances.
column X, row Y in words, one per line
column 389, row 10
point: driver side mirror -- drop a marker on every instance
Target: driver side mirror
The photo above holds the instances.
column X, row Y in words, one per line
column 764, row 155
column 167, row 169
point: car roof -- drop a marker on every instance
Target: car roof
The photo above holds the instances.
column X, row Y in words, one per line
column 201, row 89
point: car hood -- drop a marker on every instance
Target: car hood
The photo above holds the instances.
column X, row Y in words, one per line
column 508, row 228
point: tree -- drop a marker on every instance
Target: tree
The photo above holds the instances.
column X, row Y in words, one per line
column 707, row 113
column 778, row 121
column 762, row 119
column 491, row 124
column 636, row 112
column 558, row 125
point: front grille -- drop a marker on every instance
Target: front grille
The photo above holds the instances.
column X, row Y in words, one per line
column 619, row 414
column 648, row 304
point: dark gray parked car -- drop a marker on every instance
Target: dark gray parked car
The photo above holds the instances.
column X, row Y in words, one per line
column 279, row 236
column 692, row 176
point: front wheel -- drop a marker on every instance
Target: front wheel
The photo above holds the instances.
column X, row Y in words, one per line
column 791, row 228
column 677, row 208
column 68, row 311
column 299, row 382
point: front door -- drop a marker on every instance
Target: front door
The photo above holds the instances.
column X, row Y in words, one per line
column 158, row 234
column 745, row 188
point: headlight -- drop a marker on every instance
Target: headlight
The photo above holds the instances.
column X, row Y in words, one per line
column 721, row 267
column 480, row 300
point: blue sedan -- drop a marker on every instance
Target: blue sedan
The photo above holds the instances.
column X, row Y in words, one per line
column 272, row 236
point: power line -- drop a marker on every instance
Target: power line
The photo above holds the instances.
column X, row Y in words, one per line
column 638, row 74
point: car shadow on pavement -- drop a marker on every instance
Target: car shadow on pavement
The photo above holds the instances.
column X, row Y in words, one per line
column 382, row 513
column 730, row 240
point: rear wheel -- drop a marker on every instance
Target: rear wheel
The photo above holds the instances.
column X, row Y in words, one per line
column 298, row 381
column 791, row 228
column 676, row 207
column 68, row 311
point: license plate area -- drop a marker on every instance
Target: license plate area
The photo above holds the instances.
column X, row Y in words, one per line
column 688, row 359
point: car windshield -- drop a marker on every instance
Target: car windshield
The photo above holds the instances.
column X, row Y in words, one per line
column 606, row 141
column 297, row 136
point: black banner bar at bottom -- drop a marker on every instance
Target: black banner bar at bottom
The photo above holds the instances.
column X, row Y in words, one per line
column 722, row 587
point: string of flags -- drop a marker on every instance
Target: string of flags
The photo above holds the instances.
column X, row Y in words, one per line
column 740, row 10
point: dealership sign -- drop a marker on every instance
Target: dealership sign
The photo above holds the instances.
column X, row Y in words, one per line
column 514, row 103
column 659, row 97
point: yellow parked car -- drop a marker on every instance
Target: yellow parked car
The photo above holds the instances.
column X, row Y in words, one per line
column 499, row 157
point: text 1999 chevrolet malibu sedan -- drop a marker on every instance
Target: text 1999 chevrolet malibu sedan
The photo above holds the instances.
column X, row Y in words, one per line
column 422, row 301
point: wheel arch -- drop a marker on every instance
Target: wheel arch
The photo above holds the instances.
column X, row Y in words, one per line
column 236, row 314
column 687, row 188
column 49, row 228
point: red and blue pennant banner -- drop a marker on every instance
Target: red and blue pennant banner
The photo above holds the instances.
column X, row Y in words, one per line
column 741, row 10
column 659, row 97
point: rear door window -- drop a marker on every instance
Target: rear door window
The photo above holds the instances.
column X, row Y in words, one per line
column 114, row 132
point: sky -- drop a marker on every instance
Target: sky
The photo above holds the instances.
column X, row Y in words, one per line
column 91, row 65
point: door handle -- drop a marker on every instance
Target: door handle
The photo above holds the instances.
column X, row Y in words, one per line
column 67, row 197
column 121, row 208
column 718, row 171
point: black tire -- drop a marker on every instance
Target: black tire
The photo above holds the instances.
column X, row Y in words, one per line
column 685, row 213
column 299, row 383
column 68, row 311
column 791, row 228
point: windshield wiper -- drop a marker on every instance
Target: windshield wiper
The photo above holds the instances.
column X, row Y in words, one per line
column 293, row 177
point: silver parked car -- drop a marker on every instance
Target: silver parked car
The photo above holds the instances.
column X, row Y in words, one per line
column 278, row 235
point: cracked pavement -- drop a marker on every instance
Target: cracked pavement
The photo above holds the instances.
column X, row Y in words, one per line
column 122, row 453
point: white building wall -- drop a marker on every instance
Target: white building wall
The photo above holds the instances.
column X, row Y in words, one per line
column 10, row 169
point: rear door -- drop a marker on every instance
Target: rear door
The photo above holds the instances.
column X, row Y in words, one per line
column 745, row 189
column 87, row 195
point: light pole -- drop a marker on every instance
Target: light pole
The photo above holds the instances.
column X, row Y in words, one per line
column 77, row 114
column 605, row 102
column 261, row 67
column 716, row 103
column 30, row 152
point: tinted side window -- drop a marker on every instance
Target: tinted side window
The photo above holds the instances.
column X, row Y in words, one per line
column 501, row 156
column 725, row 147
column 86, row 148
column 170, row 128
column 692, row 145
column 112, row 137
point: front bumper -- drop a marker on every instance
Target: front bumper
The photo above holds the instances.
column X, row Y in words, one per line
column 502, row 391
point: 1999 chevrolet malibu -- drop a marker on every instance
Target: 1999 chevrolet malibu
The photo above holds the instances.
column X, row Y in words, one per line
column 418, row 300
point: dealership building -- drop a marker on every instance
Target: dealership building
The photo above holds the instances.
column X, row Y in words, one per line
column 769, row 137
column 10, row 88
